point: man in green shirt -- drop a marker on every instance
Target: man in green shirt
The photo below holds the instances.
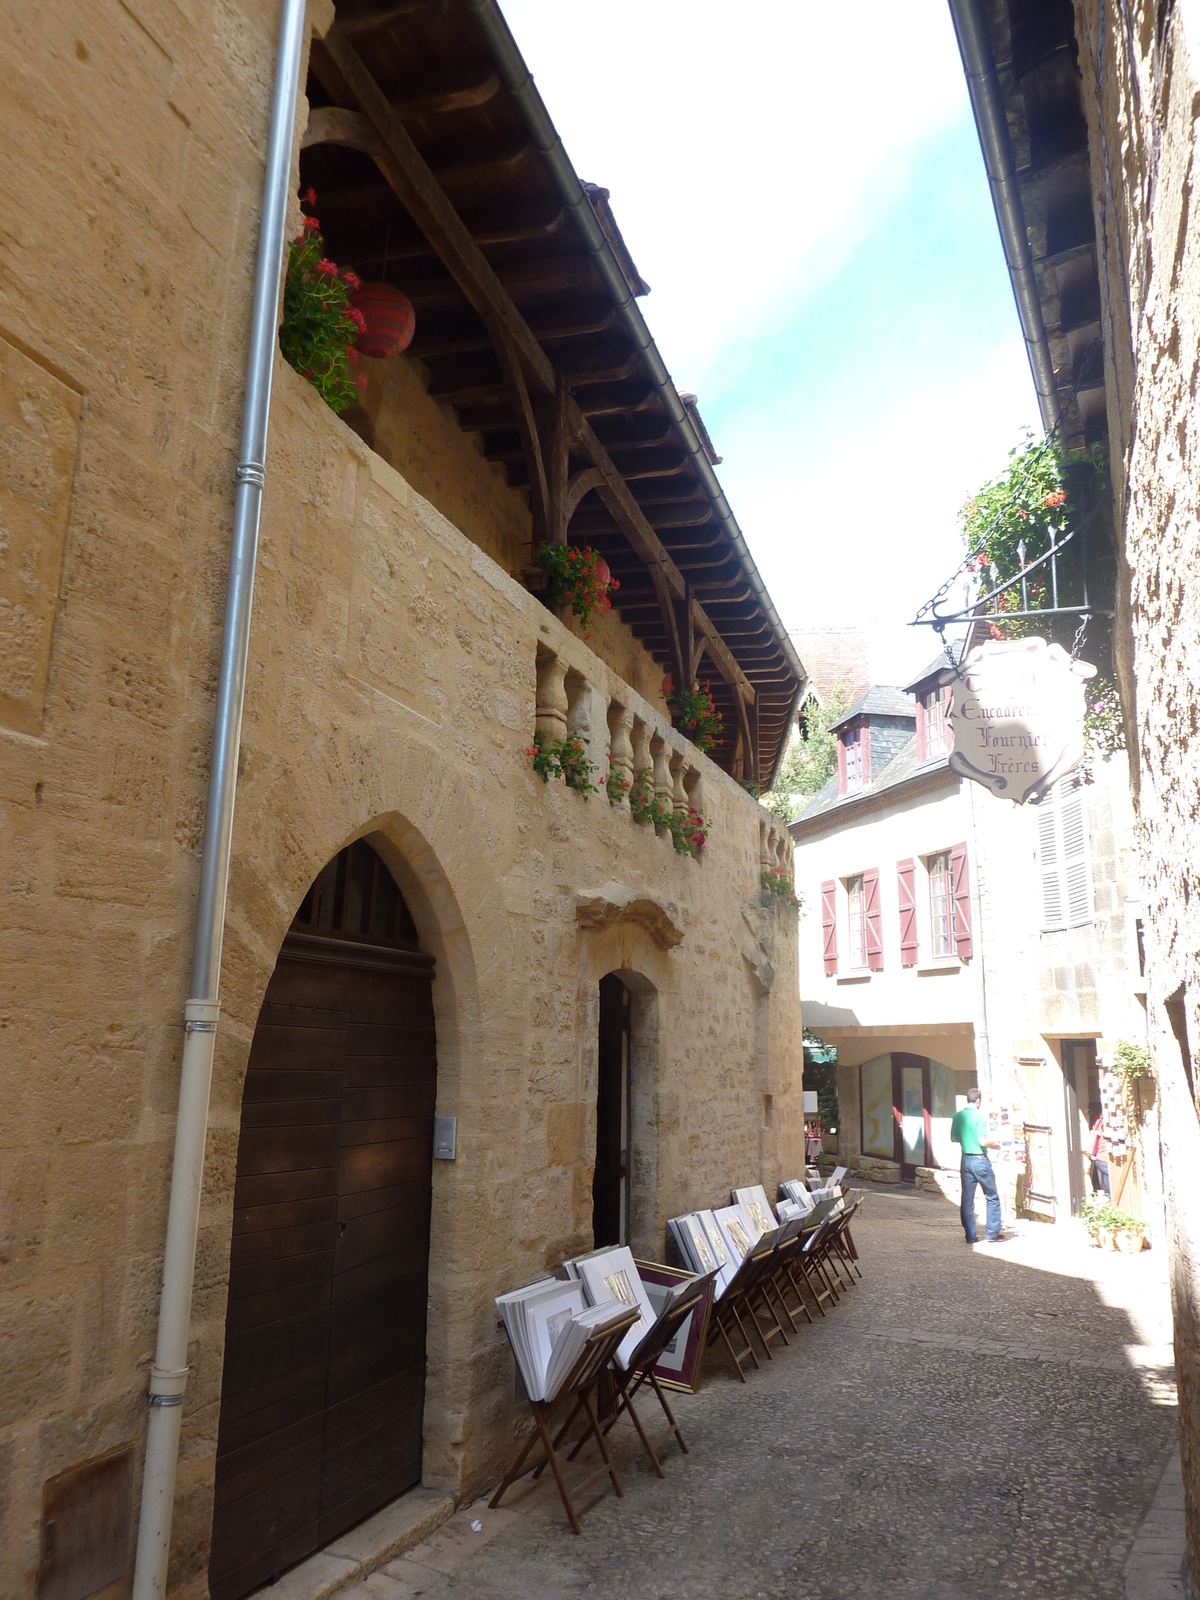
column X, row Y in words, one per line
column 969, row 1132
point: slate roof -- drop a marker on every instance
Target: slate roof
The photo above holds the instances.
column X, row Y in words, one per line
column 938, row 664
column 899, row 770
column 881, row 701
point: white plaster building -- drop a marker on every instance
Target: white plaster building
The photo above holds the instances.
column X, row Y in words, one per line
column 954, row 938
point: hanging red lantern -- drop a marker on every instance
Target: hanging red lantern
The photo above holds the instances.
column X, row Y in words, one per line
column 391, row 320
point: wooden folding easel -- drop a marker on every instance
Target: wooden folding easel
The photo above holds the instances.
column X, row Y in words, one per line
column 727, row 1321
column 596, row 1354
column 641, row 1371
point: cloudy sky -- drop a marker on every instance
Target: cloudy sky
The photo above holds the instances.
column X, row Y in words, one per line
column 808, row 204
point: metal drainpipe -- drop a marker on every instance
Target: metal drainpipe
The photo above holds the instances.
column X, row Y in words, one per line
column 991, row 122
column 169, row 1374
column 519, row 83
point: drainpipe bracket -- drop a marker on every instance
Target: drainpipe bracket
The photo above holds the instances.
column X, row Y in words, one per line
column 201, row 1016
column 167, row 1386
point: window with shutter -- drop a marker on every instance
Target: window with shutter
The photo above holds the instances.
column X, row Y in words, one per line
column 906, row 880
column 856, row 902
column 960, row 893
column 829, row 925
column 873, row 918
column 1064, row 859
column 941, row 913
column 1076, row 858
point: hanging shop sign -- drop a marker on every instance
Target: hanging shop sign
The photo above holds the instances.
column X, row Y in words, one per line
column 1017, row 708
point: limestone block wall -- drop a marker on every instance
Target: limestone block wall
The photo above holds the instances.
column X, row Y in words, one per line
column 392, row 693
column 1140, row 84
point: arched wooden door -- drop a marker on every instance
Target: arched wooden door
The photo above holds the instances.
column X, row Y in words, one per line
column 324, row 1379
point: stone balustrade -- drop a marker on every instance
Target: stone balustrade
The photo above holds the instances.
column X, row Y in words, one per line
column 624, row 735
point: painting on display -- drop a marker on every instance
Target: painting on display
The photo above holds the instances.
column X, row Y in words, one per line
column 679, row 1365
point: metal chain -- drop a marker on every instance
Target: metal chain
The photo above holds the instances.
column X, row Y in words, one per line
column 1080, row 632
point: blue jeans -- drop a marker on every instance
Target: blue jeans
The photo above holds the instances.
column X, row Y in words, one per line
column 978, row 1170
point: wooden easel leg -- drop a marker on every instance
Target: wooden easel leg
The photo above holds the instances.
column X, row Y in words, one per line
column 729, row 1346
column 627, row 1403
column 670, row 1415
column 515, row 1470
column 562, row 1434
column 558, row 1475
column 600, row 1440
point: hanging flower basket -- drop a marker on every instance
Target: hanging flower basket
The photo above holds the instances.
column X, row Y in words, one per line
column 389, row 321
column 694, row 714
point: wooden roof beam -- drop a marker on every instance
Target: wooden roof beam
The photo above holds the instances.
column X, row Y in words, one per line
column 406, row 170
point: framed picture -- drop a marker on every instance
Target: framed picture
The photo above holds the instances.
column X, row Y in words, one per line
column 679, row 1365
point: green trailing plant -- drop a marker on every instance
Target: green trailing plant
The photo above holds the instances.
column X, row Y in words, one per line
column 566, row 759
column 778, row 881
column 1098, row 1211
column 319, row 324
column 579, row 578
column 1103, row 726
column 1038, row 492
column 751, row 787
column 687, row 828
column 694, row 713
column 616, row 785
column 1132, row 1061
column 811, row 758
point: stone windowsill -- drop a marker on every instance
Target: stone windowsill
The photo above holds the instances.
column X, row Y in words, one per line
column 938, row 965
column 855, row 977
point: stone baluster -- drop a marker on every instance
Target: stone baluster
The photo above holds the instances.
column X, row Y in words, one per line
column 620, row 745
column 663, row 784
column 678, row 766
column 551, row 719
column 642, row 761
column 579, row 711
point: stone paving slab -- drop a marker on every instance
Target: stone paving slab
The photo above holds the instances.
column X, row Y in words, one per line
column 925, row 1441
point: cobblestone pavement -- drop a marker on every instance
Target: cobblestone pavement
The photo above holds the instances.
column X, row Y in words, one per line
column 967, row 1423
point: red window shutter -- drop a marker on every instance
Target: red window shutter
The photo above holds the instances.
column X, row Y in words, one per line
column 906, row 879
column 829, row 925
column 874, row 918
column 960, row 888
column 841, row 764
column 922, row 730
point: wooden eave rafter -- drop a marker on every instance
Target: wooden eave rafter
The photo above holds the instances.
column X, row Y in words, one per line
column 614, row 415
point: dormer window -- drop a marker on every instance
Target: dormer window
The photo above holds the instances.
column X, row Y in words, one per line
column 934, row 702
column 854, row 740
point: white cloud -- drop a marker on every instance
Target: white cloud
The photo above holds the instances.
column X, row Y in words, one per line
column 741, row 144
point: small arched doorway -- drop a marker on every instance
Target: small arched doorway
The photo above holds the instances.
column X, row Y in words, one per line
column 323, row 1387
column 611, row 1183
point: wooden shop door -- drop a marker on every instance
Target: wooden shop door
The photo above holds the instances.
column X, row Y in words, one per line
column 324, row 1378
column 610, row 1185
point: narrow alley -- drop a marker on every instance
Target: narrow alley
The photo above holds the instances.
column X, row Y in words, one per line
column 966, row 1423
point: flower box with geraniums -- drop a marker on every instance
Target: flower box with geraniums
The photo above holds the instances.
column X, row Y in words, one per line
column 686, row 827
column 777, row 882
column 693, row 713
column 578, row 579
column 320, row 325
column 566, row 759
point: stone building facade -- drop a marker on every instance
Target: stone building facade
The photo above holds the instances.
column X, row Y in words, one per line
column 398, row 672
column 986, row 969
column 1140, row 79
column 1087, row 115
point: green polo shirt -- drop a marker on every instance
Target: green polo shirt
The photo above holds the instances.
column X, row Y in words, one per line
column 969, row 1129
